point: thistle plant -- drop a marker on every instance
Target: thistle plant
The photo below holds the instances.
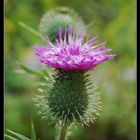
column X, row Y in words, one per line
column 68, row 96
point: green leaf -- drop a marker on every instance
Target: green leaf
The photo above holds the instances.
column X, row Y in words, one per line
column 10, row 137
column 20, row 136
column 33, row 134
column 30, row 71
column 30, row 29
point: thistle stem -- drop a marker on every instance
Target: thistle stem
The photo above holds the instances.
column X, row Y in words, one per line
column 63, row 132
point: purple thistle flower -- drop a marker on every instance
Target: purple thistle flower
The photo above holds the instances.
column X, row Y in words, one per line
column 72, row 54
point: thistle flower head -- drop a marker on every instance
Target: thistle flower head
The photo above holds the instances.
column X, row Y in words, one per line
column 70, row 53
column 69, row 96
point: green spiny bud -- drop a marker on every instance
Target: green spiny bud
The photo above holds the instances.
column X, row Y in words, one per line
column 60, row 18
column 69, row 100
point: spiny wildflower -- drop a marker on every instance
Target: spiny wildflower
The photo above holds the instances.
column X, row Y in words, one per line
column 69, row 96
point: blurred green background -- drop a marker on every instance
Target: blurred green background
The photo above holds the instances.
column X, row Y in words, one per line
column 112, row 21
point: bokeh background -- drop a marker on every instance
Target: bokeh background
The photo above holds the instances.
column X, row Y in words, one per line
column 112, row 21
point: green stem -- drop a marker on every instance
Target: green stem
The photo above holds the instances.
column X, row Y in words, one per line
column 63, row 132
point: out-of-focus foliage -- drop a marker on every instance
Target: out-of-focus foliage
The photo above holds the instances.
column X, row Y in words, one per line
column 112, row 21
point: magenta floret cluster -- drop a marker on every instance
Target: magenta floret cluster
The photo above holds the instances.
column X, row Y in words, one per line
column 70, row 53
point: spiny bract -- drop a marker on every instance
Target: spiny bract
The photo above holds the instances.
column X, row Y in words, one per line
column 67, row 98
